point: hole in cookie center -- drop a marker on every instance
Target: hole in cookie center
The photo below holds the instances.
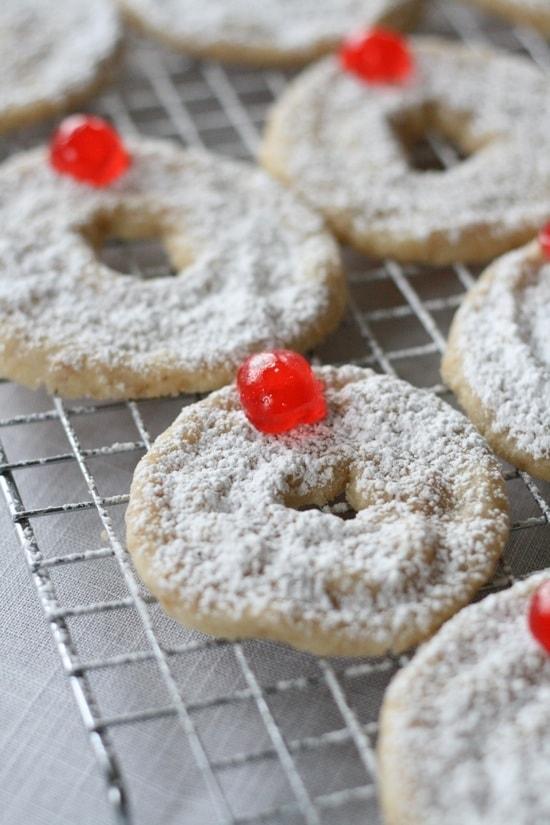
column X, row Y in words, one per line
column 136, row 243
column 432, row 142
column 339, row 507
column 434, row 152
column 144, row 258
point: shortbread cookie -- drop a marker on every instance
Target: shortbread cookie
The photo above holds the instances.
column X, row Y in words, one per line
column 498, row 358
column 52, row 55
column 254, row 268
column 266, row 32
column 218, row 531
column 530, row 12
column 465, row 727
column 340, row 142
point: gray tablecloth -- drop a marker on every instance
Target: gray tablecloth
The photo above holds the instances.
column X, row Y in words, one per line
column 48, row 775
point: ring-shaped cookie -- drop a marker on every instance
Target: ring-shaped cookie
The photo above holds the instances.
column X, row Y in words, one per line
column 342, row 143
column 254, row 268
column 218, row 531
column 52, row 55
column 464, row 727
column 498, row 358
column 265, row 32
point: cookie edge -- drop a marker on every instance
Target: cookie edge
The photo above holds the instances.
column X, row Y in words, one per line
column 401, row 18
column 452, row 373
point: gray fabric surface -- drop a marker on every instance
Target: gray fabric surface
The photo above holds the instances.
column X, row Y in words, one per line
column 48, row 775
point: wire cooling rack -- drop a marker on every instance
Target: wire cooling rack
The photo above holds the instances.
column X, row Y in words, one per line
column 185, row 728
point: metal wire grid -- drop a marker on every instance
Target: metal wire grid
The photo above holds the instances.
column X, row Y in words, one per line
column 396, row 323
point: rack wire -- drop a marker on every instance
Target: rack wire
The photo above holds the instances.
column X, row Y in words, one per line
column 185, row 728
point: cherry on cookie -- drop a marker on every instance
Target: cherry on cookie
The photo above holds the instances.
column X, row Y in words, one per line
column 539, row 615
column 279, row 391
column 544, row 240
column 88, row 149
column 377, row 56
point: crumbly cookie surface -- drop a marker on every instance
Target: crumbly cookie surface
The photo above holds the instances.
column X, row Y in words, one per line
column 464, row 727
column 498, row 358
column 52, row 54
column 530, row 12
column 254, row 268
column 343, row 144
column 274, row 32
column 217, row 530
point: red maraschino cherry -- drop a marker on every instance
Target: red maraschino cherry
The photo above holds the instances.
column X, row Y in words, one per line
column 279, row 391
column 377, row 56
column 539, row 615
column 88, row 149
column 544, row 240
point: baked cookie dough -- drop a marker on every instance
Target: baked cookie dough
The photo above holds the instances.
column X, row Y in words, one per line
column 464, row 727
column 217, row 528
column 524, row 12
column 498, row 358
column 341, row 143
column 265, row 32
column 254, row 268
column 52, row 55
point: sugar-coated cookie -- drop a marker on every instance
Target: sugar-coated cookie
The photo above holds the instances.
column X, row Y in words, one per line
column 254, row 268
column 530, row 12
column 498, row 358
column 265, row 32
column 465, row 726
column 218, row 531
column 52, row 55
column 341, row 143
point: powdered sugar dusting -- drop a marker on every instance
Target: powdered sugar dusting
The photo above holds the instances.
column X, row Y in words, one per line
column 50, row 51
column 256, row 268
column 335, row 139
column 465, row 725
column 213, row 523
column 534, row 315
column 269, row 24
column 503, row 337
